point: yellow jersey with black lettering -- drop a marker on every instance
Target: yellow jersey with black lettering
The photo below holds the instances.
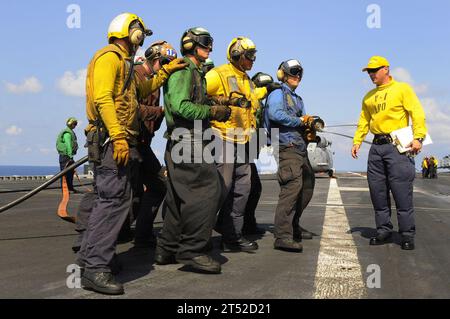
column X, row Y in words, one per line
column 388, row 108
column 223, row 80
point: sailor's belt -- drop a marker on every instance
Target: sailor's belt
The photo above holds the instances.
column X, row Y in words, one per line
column 380, row 139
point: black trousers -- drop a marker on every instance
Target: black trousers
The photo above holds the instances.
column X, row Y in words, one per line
column 65, row 161
column 297, row 181
column 194, row 196
column 389, row 171
column 151, row 174
column 110, row 208
column 253, row 199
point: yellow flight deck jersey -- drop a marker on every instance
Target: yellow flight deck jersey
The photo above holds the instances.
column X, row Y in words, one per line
column 223, row 80
column 106, row 76
column 388, row 108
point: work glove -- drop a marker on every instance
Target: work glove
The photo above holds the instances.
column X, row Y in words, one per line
column 309, row 135
column 220, row 113
column 174, row 65
column 307, row 120
column 239, row 101
column 121, row 151
column 261, row 79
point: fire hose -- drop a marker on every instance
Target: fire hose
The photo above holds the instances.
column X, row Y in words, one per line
column 45, row 185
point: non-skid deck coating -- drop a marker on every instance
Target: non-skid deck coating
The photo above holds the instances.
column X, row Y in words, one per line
column 35, row 250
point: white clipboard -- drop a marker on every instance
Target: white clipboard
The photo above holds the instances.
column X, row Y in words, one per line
column 404, row 136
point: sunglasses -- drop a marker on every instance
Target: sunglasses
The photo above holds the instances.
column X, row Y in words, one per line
column 374, row 70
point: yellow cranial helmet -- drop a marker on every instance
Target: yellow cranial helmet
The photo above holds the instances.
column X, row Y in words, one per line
column 120, row 28
column 241, row 46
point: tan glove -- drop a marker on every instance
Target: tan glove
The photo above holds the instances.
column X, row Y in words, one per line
column 174, row 65
column 220, row 113
column 121, row 151
column 307, row 120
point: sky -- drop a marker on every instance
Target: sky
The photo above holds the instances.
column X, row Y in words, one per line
column 45, row 52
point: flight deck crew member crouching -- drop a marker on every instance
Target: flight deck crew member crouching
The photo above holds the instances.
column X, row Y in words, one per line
column 385, row 109
column 194, row 187
column 285, row 111
column 112, row 108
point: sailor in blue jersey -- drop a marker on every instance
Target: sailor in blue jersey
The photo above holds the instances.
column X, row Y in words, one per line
column 285, row 111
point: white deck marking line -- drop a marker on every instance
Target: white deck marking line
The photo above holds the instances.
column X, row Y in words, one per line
column 354, row 189
column 338, row 273
column 357, row 174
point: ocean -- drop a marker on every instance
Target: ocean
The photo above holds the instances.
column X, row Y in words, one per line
column 8, row 170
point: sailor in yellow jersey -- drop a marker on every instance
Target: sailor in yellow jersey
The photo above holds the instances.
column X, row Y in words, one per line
column 224, row 81
column 387, row 108
column 112, row 111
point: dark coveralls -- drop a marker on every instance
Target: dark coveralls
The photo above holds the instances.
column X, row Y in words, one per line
column 295, row 175
column 194, row 189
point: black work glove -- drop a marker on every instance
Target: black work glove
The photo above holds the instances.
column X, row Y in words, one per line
column 240, row 101
column 220, row 113
column 262, row 79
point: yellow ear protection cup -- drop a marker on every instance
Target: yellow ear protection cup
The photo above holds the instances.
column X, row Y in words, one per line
column 137, row 33
column 136, row 36
column 188, row 43
column 280, row 72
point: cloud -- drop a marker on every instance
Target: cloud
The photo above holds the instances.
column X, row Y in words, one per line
column 73, row 84
column 438, row 120
column 29, row 85
column 13, row 130
column 403, row 75
column 45, row 151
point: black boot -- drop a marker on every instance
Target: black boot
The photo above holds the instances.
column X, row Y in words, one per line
column 408, row 243
column 102, row 282
column 241, row 244
column 380, row 239
column 203, row 263
column 162, row 257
